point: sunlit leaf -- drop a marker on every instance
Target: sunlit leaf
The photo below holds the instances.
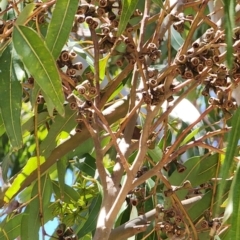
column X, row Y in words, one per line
column 25, row 13
column 128, row 8
column 90, row 224
column 70, row 195
column 60, row 25
column 10, row 228
column 26, row 171
column 40, row 63
column 102, row 67
column 12, row 73
column 229, row 9
column 232, row 141
column 60, row 124
column 61, row 170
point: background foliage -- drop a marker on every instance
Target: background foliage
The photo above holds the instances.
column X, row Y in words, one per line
column 117, row 119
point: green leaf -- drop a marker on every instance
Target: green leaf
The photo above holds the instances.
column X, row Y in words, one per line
column 12, row 72
column 60, row 25
column 87, row 165
column 159, row 3
column 70, row 195
column 26, row 171
column 128, row 8
column 90, row 224
column 198, row 171
column 232, row 141
column 235, row 202
column 229, row 10
column 40, row 64
column 190, row 136
column 25, row 14
column 61, row 169
column 102, row 67
column 176, row 39
column 60, row 124
column 2, row 127
column 10, row 228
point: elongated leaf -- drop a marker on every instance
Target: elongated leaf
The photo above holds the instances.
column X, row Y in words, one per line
column 128, row 8
column 87, row 165
column 39, row 63
column 70, row 195
column 60, row 124
column 233, row 139
column 10, row 229
column 102, row 66
column 90, row 224
column 11, row 95
column 229, row 9
column 61, row 169
column 235, row 201
column 176, row 39
column 26, row 171
column 2, row 127
column 60, row 25
column 25, row 13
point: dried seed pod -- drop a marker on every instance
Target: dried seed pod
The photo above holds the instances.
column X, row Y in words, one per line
column 89, row 20
column 180, row 69
column 115, row 23
column 72, row 55
column 119, row 62
column 89, row 76
column 81, row 89
column 137, row 13
column 83, row 8
column 40, row 99
column 73, row 105
column 130, row 47
column 146, row 98
column 216, row 59
column 200, row 68
column 151, row 47
column 86, row 104
column 64, row 56
column 80, row 18
column 152, row 82
column 133, row 201
column 61, row 229
column 195, row 61
column 168, row 192
column 92, row 91
column 179, row 26
column 60, row 63
column 30, row 80
column 78, row 66
column 208, row 35
column 181, row 59
column 214, row 101
column 208, row 62
column 180, row 167
column 100, row 11
column 188, row 74
column 103, row 3
column 111, row 16
column 170, row 213
column 152, row 73
column 79, row 118
column 94, row 25
column 71, row 71
column 86, row 84
column 106, row 30
column 170, row 99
